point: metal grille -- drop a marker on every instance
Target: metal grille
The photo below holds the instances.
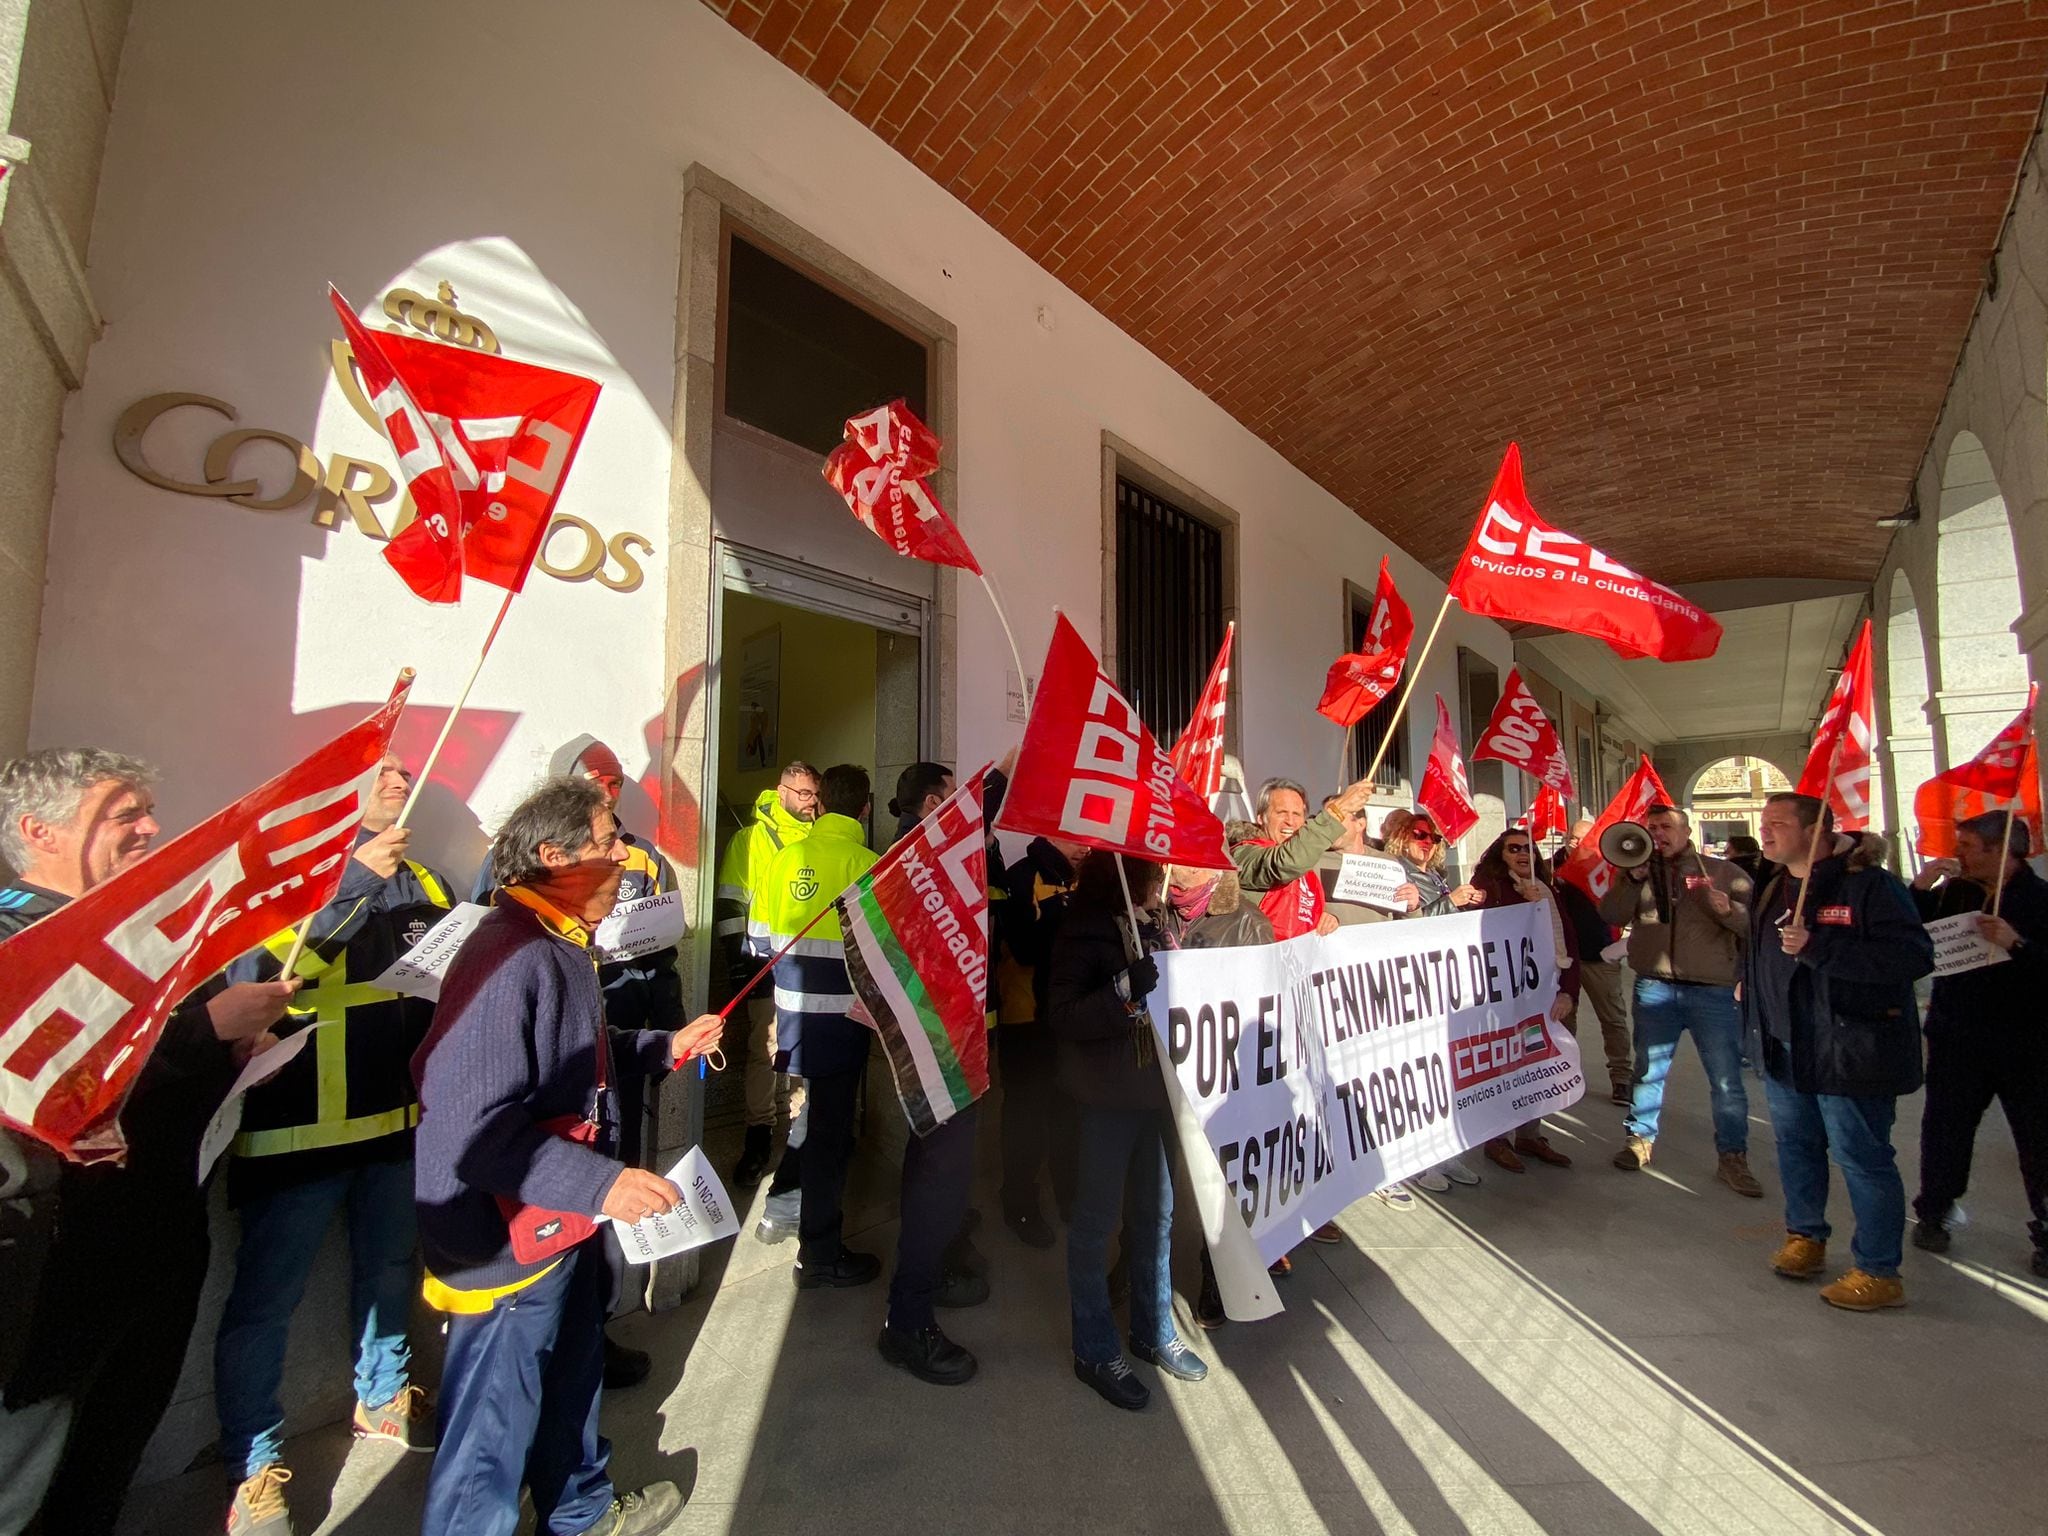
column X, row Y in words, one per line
column 1169, row 609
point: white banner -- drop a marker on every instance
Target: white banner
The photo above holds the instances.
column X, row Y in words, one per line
column 1370, row 880
column 1311, row 1073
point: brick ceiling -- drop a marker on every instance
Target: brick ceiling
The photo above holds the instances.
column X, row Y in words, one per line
column 1710, row 262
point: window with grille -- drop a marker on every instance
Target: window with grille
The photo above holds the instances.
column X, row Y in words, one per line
column 1169, row 609
column 1367, row 735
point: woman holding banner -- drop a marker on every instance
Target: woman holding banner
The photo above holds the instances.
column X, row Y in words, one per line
column 1511, row 873
column 1101, row 975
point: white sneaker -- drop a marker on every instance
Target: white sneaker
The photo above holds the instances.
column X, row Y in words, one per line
column 1431, row 1180
column 1395, row 1196
column 1458, row 1171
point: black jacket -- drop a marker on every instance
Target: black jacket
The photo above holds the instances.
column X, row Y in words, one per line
column 1993, row 998
column 1855, row 1026
column 1098, row 1031
column 1036, row 889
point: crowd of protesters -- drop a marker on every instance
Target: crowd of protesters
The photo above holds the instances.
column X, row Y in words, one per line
column 472, row 1145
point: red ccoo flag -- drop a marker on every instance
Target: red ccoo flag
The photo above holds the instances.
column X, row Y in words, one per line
column 880, row 470
column 1090, row 771
column 1198, row 755
column 1844, row 740
column 1516, row 566
column 483, row 443
column 1520, row 733
column 1445, row 792
column 1550, row 816
column 1359, row 680
column 2006, row 773
column 85, row 992
column 1587, row 869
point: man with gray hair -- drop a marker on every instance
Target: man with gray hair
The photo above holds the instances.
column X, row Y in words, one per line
column 1276, row 856
column 119, row 1291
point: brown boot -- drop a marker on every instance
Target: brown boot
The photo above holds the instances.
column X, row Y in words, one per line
column 1501, row 1155
column 1530, row 1144
column 1634, row 1154
column 1860, row 1292
column 1801, row 1258
column 1734, row 1172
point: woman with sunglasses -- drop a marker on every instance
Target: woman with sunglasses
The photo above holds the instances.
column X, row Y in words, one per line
column 1512, row 873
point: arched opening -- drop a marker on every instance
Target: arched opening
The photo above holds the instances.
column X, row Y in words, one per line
column 1977, row 600
column 1906, row 749
column 1725, row 797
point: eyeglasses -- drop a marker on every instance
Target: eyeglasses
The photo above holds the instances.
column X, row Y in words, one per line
column 1422, row 835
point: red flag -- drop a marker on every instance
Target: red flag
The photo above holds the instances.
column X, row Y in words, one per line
column 1845, row 738
column 1359, row 680
column 1550, row 816
column 1516, row 566
column 1198, row 755
column 1445, row 793
column 916, row 928
column 1090, row 771
column 483, row 443
column 84, row 993
column 1586, row 869
column 1520, row 733
column 880, row 470
column 2006, row 773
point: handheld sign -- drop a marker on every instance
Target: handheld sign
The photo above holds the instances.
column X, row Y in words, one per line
column 418, row 972
column 636, row 928
column 227, row 1120
column 1370, row 881
column 705, row 1216
column 1959, row 947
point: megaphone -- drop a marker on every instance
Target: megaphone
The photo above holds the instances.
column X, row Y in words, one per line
column 1626, row 844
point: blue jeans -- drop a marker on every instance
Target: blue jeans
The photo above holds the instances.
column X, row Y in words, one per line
column 519, row 1398
column 1664, row 1011
column 1119, row 1146
column 1858, row 1132
column 281, row 1236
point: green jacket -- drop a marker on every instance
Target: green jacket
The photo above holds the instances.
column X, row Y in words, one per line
column 1261, row 868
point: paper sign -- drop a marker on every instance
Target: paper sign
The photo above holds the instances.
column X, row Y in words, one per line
column 418, row 972
column 220, row 1131
column 1370, row 881
column 636, row 928
column 1958, row 946
column 705, row 1216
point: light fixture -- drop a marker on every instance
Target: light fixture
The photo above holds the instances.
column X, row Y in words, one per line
column 1906, row 516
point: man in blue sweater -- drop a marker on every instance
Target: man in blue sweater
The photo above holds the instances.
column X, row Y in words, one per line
column 517, row 1152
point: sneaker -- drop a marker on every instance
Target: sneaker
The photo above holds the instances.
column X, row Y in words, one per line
column 842, row 1273
column 1433, row 1180
column 928, row 1354
column 639, row 1513
column 1209, row 1313
column 1458, row 1171
column 1281, row 1267
column 1501, row 1155
column 404, row 1421
column 753, row 1156
column 1860, row 1292
column 957, row 1288
column 1032, row 1229
column 259, row 1508
column 769, row 1230
column 1174, row 1358
column 1394, row 1197
column 624, row 1367
column 1327, row 1234
column 1801, row 1258
column 1117, row 1383
column 1539, row 1147
column 1734, row 1172
column 1931, row 1233
column 1621, row 1094
column 1634, row 1154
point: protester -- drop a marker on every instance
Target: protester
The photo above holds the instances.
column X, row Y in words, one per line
column 1984, row 1034
column 782, row 815
column 1511, row 873
column 644, row 993
column 920, row 789
column 119, row 1291
column 1828, row 1007
column 519, row 1136
column 1101, row 975
column 1686, row 915
column 1038, row 1124
column 1747, row 855
column 1600, row 979
column 1276, row 856
column 1330, row 868
column 331, row 1132
column 1412, row 837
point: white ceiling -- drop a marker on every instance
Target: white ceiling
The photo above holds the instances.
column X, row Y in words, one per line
column 1769, row 675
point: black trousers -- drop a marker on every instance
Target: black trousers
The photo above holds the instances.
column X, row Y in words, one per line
column 938, row 1174
column 1039, row 1123
column 1966, row 1070
column 830, row 1101
column 113, row 1316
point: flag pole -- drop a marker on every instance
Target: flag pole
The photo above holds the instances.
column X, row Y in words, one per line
column 1344, row 757
column 419, row 781
column 1414, row 671
column 1023, row 682
column 770, row 966
column 2004, row 857
column 1819, row 821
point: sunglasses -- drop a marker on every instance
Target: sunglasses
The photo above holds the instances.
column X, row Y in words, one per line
column 1422, row 835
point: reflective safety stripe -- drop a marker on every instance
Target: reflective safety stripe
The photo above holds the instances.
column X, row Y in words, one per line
column 328, row 1133
column 443, row 1297
column 730, row 927
column 736, row 893
column 813, row 1002
column 826, row 949
column 332, row 1125
column 435, row 893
